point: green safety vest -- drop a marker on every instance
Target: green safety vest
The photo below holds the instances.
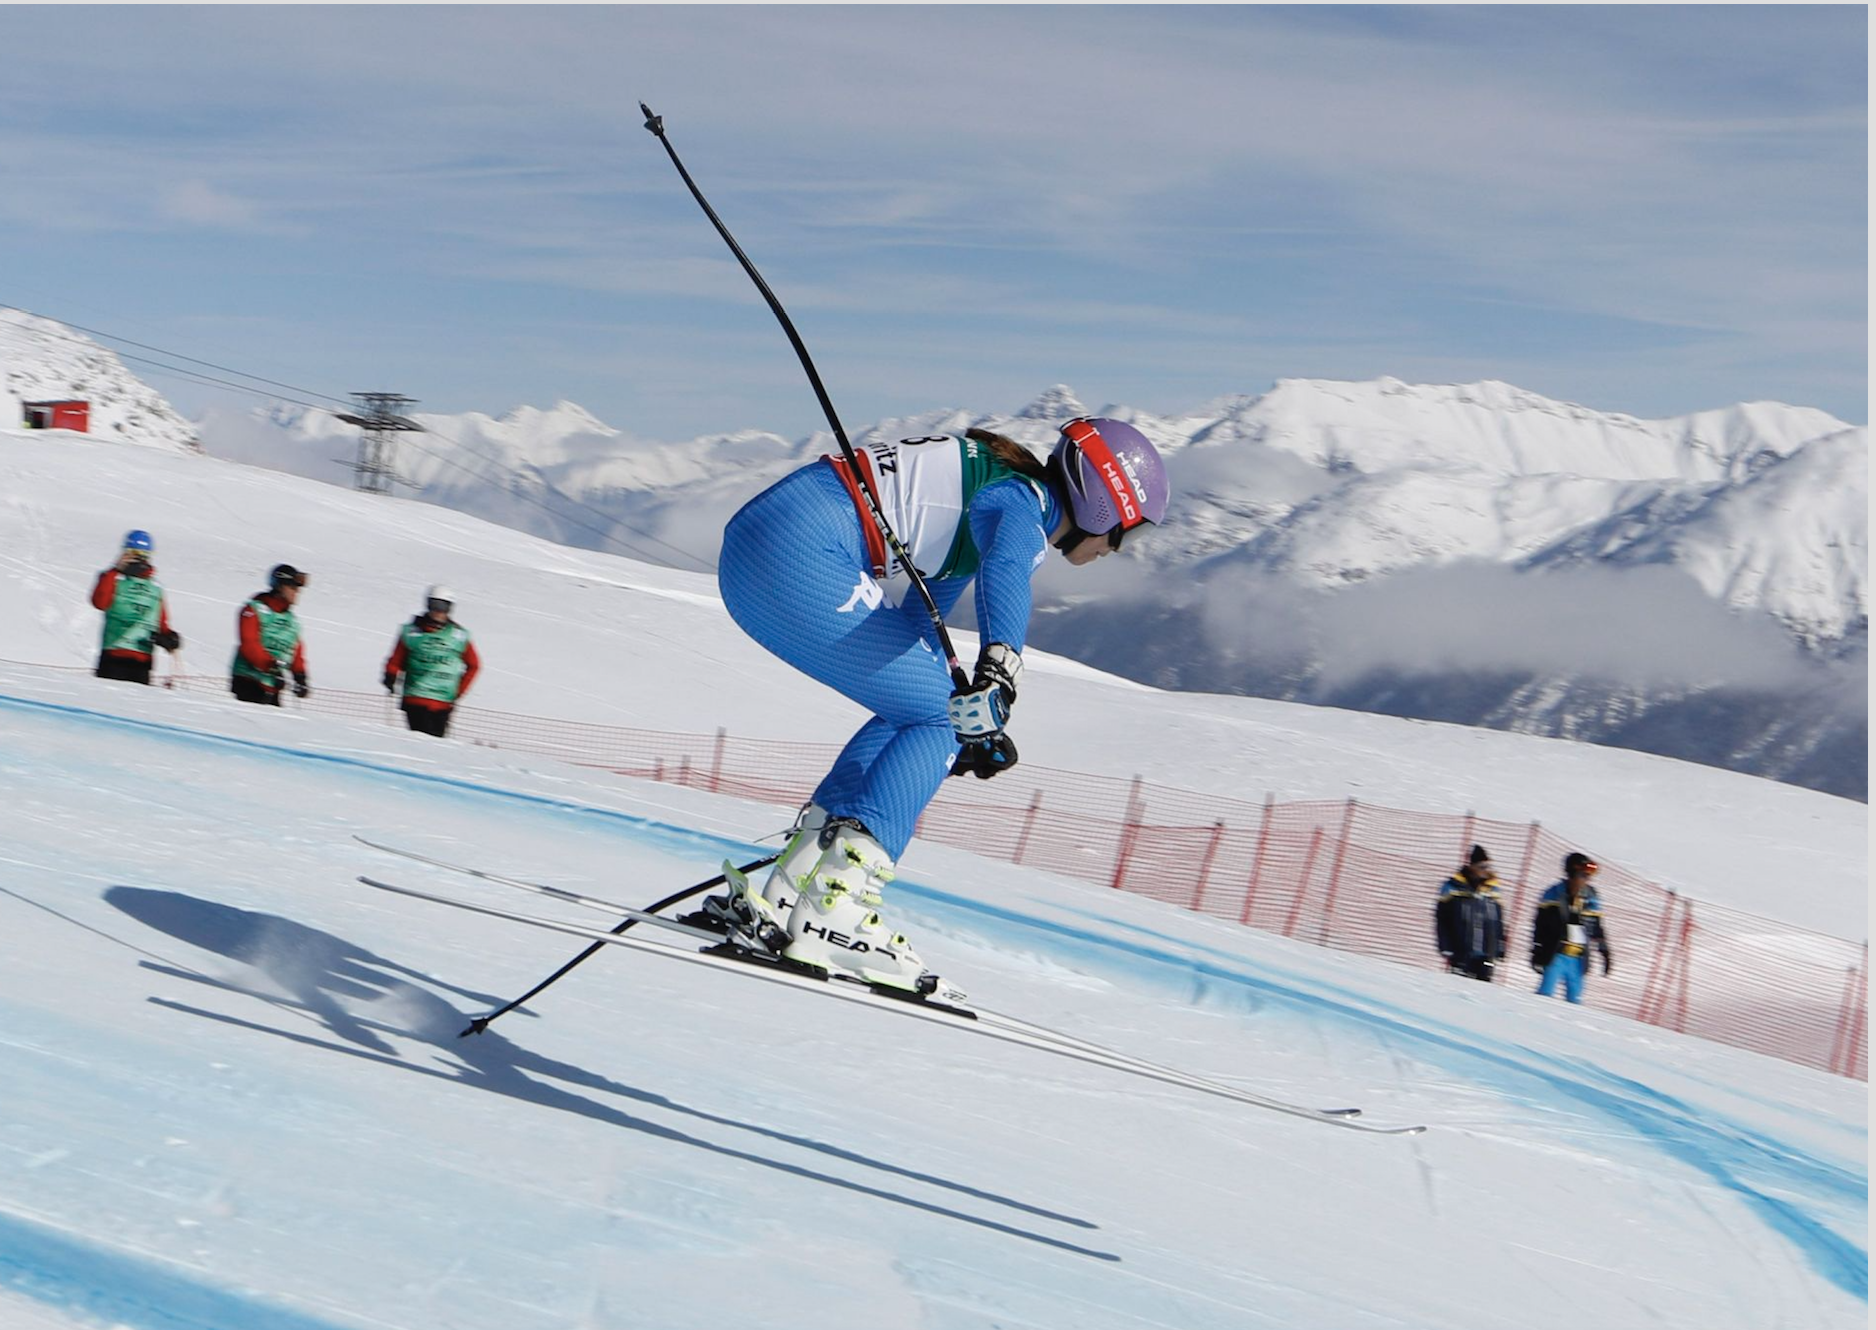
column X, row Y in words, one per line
column 433, row 661
column 136, row 608
column 280, row 633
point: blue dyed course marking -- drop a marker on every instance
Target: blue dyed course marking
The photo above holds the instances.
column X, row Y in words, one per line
column 662, row 835
column 116, row 1288
column 1724, row 1152
column 1727, row 1152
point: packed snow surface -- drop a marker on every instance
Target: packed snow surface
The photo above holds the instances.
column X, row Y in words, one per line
column 235, row 1095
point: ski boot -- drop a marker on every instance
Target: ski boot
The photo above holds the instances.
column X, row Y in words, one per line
column 836, row 928
column 758, row 919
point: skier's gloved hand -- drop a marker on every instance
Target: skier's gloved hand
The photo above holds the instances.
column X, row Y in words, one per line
column 1537, row 960
column 985, row 757
column 300, row 687
column 390, row 681
column 981, row 710
column 1608, row 961
column 168, row 638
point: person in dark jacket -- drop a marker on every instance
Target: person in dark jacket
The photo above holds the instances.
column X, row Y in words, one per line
column 1469, row 920
column 438, row 662
column 269, row 637
column 136, row 615
column 1569, row 922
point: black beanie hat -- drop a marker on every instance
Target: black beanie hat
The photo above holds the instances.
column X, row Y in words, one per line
column 1479, row 856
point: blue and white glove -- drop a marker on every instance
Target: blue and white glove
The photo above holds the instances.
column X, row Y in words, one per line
column 979, row 713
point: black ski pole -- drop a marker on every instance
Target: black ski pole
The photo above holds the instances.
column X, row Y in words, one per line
column 481, row 1023
column 655, row 124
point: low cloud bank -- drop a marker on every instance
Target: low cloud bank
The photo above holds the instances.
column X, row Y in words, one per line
column 1639, row 627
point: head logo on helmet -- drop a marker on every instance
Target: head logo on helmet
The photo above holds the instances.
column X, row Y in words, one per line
column 1114, row 477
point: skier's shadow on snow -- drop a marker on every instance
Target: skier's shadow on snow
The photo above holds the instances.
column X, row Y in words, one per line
column 301, row 965
column 310, row 971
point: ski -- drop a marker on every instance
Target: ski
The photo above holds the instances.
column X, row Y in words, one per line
column 733, row 951
column 730, row 949
column 702, row 936
column 945, row 1008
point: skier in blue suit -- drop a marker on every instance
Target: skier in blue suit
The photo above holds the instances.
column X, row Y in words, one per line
column 806, row 572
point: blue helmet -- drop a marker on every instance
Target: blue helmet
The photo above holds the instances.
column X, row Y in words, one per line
column 139, row 541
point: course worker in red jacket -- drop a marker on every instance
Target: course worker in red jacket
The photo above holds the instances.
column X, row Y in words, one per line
column 270, row 646
column 136, row 613
column 438, row 662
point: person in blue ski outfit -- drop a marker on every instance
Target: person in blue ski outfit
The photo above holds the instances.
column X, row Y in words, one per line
column 807, row 573
column 1568, row 923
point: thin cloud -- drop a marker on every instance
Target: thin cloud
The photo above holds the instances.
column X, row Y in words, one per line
column 1236, row 194
column 197, row 201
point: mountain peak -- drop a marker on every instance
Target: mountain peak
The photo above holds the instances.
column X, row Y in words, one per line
column 1058, row 403
column 563, row 417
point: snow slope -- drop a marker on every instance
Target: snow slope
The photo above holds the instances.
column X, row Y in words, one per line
column 1696, row 586
column 236, row 1096
column 585, row 636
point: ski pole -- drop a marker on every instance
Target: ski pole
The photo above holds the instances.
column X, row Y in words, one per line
column 481, row 1023
column 655, row 124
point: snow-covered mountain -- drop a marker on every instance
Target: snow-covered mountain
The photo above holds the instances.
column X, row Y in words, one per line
column 1322, row 485
column 1696, row 586
column 41, row 360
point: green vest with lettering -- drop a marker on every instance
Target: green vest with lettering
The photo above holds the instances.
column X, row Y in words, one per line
column 981, row 467
column 136, row 608
column 433, row 661
column 280, row 633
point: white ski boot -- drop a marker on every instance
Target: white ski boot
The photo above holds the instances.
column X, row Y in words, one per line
column 836, row 927
column 759, row 918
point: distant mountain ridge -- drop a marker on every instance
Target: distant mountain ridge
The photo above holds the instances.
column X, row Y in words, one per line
column 1695, row 586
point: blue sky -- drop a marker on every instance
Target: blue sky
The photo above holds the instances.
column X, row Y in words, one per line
column 1646, row 209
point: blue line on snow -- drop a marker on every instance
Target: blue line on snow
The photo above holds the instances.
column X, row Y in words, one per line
column 121, row 1289
column 1721, row 1150
column 1716, row 1150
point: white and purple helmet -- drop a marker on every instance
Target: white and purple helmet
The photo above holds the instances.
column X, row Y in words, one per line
column 1112, row 476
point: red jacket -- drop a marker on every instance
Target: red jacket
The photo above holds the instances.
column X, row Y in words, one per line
column 106, row 591
column 252, row 651
column 471, row 663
